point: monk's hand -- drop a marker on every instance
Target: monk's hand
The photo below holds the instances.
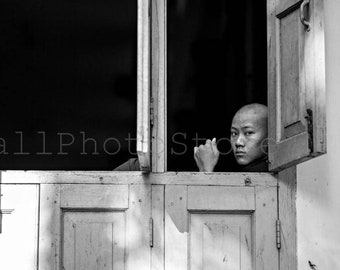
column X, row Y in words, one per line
column 206, row 156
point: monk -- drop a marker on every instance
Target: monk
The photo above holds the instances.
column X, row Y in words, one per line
column 248, row 136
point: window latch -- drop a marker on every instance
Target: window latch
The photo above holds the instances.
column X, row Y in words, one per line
column 303, row 19
column 309, row 118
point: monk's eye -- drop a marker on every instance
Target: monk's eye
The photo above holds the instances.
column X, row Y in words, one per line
column 248, row 133
column 233, row 134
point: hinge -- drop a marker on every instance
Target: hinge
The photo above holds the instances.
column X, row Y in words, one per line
column 278, row 234
column 152, row 113
column 150, row 8
column 151, row 232
column 152, row 120
column 309, row 119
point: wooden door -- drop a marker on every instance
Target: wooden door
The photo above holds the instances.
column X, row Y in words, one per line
column 90, row 226
column 220, row 227
column 101, row 220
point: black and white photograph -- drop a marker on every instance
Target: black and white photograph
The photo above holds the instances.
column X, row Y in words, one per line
column 169, row 135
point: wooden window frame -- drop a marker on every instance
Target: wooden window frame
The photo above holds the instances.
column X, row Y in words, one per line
column 151, row 140
column 152, row 114
column 155, row 115
column 143, row 84
column 151, row 86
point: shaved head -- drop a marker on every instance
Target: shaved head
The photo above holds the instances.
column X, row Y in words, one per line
column 258, row 113
column 248, row 133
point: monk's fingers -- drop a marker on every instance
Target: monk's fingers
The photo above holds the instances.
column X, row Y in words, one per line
column 201, row 147
column 210, row 144
column 196, row 153
column 214, row 146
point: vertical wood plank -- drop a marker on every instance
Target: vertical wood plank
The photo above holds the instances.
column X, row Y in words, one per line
column 49, row 233
column 176, row 228
column 266, row 253
column 272, row 66
column 143, row 84
column 138, row 250
column 157, row 252
column 159, row 86
column 319, row 132
column 287, row 214
column 19, row 237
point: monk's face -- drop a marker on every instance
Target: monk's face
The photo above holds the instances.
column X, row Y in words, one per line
column 248, row 134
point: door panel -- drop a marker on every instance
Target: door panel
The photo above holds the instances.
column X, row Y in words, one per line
column 292, row 119
column 220, row 241
column 220, row 227
column 94, row 240
column 95, row 226
column 19, row 226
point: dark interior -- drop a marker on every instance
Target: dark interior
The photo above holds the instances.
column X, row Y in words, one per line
column 68, row 75
column 67, row 67
column 217, row 62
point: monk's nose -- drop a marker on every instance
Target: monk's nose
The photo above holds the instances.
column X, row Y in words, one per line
column 239, row 141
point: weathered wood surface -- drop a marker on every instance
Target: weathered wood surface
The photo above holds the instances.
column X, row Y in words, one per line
column 220, row 198
column 287, row 154
column 296, row 82
column 19, row 221
column 159, row 85
column 265, row 216
column 93, row 240
column 169, row 178
column 319, row 77
column 138, row 255
column 85, row 223
column 221, row 241
column 50, row 227
column 157, row 212
column 205, row 228
column 176, row 228
column 99, row 196
column 82, row 232
column 287, row 215
column 143, row 84
column 283, row 5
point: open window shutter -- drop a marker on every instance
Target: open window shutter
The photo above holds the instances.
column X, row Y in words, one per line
column 158, row 86
column 143, row 86
column 296, row 82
